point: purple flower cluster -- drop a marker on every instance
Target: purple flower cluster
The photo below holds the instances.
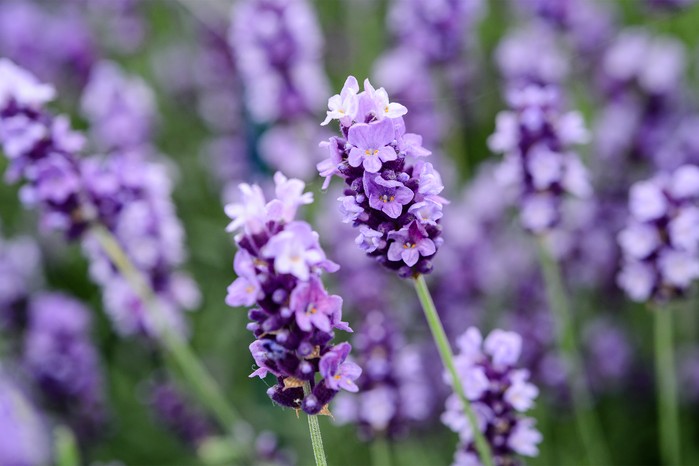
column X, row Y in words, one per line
column 536, row 138
column 435, row 28
column 62, row 361
column 392, row 194
column 278, row 263
column 642, row 78
column 499, row 393
column 40, row 149
column 19, row 273
column 660, row 243
column 120, row 108
column 24, row 435
column 173, row 410
column 64, row 52
column 392, row 389
column 278, row 46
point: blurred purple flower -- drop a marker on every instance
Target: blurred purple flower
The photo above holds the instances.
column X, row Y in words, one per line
column 536, row 138
column 24, row 436
column 391, row 393
column 660, row 242
column 176, row 412
column 498, row 392
column 61, row 359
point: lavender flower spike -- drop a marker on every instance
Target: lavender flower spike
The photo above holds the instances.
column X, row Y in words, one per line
column 536, row 138
column 661, row 240
column 499, row 393
column 279, row 263
column 392, row 194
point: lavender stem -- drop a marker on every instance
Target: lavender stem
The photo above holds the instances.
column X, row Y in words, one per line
column 447, row 356
column 587, row 421
column 666, row 386
column 189, row 364
column 316, row 438
column 380, row 452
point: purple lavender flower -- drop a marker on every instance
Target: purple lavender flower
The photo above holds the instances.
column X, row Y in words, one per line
column 281, row 260
column 434, row 28
column 121, row 108
column 498, row 393
column 278, row 45
column 61, row 359
column 173, row 410
column 24, row 436
column 41, row 150
column 64, row 52
column 660, row 242
column 392, row 394
column 536, row 138
column 385, row 193
column 132, row 198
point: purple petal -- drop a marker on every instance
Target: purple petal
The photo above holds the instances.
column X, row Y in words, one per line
column 355, row 157
column 360, row 135
column 410, row 256
column 372, row 164
column 404, row 195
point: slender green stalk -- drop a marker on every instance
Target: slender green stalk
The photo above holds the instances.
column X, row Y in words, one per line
column 666, row 386
column 195, row 373
column 587, row 422
column 380, row 452
column 65, row 447
column 447, row 356
column 316, row 438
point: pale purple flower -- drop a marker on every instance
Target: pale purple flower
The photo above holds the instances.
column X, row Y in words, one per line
column 370, row 145
column 409, row 244
column 388, row 196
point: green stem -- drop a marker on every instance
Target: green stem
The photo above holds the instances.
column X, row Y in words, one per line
column 380, row 452
column 316, row 438
column 588, row 424
column 666, row 387
column 195, row 373
column 447, row 356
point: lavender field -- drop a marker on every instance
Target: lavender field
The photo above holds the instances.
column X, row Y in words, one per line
column 349, row 232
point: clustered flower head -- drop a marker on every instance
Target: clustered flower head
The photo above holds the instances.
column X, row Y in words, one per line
column 499, row 393
column 279, row 263
column 278, row 47
column 392, row 389
column 41, row 150
column 660, row 243
column 392, row 193
column 61, row 359
column 536, row 136
column 172, row 408
column 126, row 193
